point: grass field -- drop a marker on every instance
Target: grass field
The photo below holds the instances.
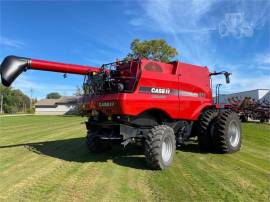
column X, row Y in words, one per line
column 44, row 158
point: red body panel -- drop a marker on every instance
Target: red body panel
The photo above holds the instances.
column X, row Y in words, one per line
column 188, row 87
column 194, row 79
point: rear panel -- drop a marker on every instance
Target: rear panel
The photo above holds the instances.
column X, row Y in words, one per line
column 195, row 92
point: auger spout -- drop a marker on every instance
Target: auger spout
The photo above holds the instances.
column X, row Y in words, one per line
column 13, row 66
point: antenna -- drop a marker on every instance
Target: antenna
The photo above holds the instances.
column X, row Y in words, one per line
column 31, row 95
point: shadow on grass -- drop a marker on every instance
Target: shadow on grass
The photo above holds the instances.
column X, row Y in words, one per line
column 192, row 148
column 75, row 150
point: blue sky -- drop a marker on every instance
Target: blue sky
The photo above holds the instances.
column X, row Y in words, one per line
column 223, row 35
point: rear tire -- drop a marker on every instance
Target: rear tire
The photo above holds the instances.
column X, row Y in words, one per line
column 94, row 143
column 206, row 129
column 227, row 132
column 160, row 147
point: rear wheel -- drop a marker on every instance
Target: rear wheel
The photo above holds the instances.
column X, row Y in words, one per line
column 206, row 129
column 160, row 147
column 227, row 132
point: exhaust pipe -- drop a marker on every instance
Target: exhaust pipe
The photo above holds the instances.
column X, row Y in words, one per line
column 13, row 66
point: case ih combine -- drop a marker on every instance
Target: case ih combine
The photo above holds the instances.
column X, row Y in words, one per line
column 157, row 105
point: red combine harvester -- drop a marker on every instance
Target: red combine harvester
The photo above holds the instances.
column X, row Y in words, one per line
column 153, row 104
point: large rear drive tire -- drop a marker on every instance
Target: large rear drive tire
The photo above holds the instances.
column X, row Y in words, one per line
column 227, row 132
column 94, row 143
column 160, row 147
column 206, row 129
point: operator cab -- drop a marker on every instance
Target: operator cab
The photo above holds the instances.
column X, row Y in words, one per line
column 117, row 77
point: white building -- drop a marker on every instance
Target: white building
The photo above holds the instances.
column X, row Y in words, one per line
column 61, row 106
column 258, row 94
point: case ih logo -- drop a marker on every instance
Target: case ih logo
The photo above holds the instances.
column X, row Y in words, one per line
column 160, row 90
column 167, row 91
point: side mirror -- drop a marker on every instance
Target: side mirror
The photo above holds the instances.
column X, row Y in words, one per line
column 227, row 77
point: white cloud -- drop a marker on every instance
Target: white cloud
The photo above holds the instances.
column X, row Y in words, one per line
column 173, row 16
column 244, row 77
column 262, row 62
column 243, row 83
column 263, row 59
column 235, row 25
column 136, row 22
column 11, row 43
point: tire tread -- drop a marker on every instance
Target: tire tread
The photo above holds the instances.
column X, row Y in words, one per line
column 153, row 146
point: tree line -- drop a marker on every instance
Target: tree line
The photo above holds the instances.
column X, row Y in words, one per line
column 14, row 100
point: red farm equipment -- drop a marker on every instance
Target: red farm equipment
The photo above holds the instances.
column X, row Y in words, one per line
column 250, row 108
column 149, row 103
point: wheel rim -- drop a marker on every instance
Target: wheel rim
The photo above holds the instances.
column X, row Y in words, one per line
column 234, row 133
column 167, row 148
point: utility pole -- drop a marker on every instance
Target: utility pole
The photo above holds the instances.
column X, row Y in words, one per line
column 2, row 100
column 31, row 94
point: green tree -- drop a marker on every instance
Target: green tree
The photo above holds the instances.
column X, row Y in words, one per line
column 53, row 95
column 78, row 91
column 14, row 100
column 157, row 49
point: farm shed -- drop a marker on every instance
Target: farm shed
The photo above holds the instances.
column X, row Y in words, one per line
column 61, row 106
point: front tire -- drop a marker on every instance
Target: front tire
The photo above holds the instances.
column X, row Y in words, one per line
column 94, row 143
column 227, row 132
column 160, row 147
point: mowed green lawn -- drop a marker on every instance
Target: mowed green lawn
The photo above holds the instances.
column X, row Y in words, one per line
column 44, row 158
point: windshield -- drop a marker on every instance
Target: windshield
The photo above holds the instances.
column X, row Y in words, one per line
column 115, row 77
